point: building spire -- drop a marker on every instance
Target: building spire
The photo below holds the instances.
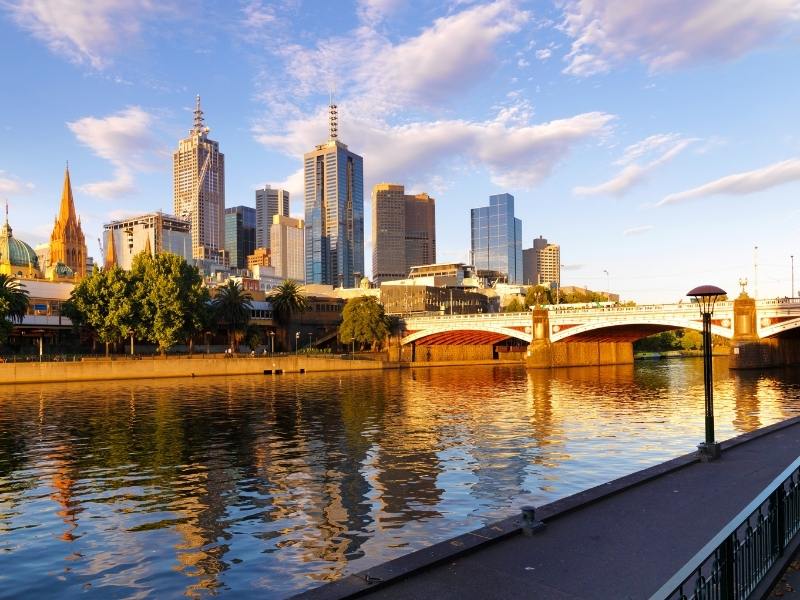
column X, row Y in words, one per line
column 199, row 124
column 333, row 118
column 66, row 213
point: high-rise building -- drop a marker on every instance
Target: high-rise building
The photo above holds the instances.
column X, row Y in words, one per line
column 240, row 234
column 288, row 247
column 152, row 232
column 403, row 231
column 198, row 173
column 67, row 243
column 334, row 210
column 497, row 238
column 269, row 202
column 542, row 263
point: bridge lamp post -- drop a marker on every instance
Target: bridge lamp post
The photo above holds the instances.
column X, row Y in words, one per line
column 706, row 296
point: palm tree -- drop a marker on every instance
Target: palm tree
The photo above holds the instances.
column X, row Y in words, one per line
column 13, row 303
column 232, row 305
column 287, row 298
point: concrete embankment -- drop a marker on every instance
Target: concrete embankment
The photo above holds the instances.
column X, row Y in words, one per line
column 199, row 365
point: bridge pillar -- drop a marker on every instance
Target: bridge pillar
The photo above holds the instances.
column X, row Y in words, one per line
column 540, row 351
column 750, row 352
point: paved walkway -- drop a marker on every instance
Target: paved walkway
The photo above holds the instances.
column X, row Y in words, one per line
column 595, row 545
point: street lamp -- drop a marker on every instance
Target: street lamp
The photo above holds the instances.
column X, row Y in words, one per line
column 706, row 296
column 272, row 342
column 296, row 341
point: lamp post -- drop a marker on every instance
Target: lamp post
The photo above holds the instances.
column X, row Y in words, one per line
column 296, row 341
column 706, row 296
column 309, row 340
column 791, row 295
column 608, row 284
column 272, row 342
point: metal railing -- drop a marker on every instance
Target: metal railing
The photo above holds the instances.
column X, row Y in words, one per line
column 736, row 560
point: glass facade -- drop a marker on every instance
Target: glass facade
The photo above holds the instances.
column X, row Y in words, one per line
column 269, row 202
column 240, row 234
column 334, row 210
column 497, row 238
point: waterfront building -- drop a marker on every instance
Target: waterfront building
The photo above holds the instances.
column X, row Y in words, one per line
column 17, row 259
column 240, row 235
column 541, row 265
column 334, row 210
column 198, row 173
column 288, row 247
column 259, row 257
column 67, row 242
column 153, row 233
column 269, row 202
column 497, row 239
column 404, row 299
column 403, row 231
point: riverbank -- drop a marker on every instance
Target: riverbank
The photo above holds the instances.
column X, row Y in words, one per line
column 202, row 365
column 716, row 351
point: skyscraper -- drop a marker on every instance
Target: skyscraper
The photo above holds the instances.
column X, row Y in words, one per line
column 497, row 238
column 198, row 174
column 67, row 243
column 542, row 263
column 269, row 202
column 403, row 231
column 288, row 249
column 334, row 210
column 240, row 234
column 154, row 232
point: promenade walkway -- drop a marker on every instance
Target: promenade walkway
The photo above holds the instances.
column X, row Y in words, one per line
column 620, row 540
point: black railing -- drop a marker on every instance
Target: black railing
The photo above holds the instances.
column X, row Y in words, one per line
column 738, row 558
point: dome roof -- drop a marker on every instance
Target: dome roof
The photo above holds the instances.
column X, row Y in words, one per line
column 16, row 252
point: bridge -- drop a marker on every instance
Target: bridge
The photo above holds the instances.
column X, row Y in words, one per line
column 762, row 333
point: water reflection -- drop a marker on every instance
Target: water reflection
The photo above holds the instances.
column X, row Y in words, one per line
column 201, row 487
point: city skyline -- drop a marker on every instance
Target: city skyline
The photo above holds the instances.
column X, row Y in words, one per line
column 656, row 163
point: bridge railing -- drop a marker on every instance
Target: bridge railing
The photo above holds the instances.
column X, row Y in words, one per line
column 738, row 558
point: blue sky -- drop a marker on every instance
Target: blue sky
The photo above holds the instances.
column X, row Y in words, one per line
column 658, row 141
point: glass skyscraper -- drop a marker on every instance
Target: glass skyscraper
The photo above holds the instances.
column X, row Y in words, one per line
column 240, row 234
column 497, row 238
column 334, row 210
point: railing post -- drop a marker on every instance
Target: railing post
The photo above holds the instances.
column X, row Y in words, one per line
column 779, row 526
column 727, row 569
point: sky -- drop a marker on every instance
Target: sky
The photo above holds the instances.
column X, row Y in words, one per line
column 657, row 142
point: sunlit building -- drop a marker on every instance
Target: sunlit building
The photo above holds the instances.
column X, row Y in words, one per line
column 17, row 258
column 198, row 172
column 153, row 233
column 497, row 238
column 541, row 265
column 269, row 202
column 67, row 243
column 288, row 248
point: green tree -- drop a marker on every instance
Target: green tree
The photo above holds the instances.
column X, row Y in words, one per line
column 364, row 322
column 514, row 306
column 537, row 295
column 171, row 298
column 232, row 305
column 103, row 301
column 14, row 304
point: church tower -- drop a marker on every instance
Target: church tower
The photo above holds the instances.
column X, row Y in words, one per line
column 67, row 243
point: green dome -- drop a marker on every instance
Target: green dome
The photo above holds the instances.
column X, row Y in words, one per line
column 16, row 252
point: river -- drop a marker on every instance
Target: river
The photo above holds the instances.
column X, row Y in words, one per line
column 272, row 485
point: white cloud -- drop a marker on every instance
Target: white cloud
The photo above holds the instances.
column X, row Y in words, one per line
column 125, row 140
column 12, row 186
column 374, row 11
column 638, row 230
column 667, row 146
column 83, row 32
column 665, row 34
column 741, row 184
column 544, row 54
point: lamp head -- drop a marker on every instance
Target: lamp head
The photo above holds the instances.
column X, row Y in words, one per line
column 706, row 296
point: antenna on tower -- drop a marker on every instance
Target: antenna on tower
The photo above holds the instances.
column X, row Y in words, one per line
column 333, row 117
column 199, row 126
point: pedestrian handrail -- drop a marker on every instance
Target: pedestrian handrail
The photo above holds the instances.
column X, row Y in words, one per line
column 737, row 559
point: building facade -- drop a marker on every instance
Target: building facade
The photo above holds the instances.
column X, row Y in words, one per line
column 403, row 231
column 153, row 233
column 542, row 264
column 334, row 210
column 269, row 202
column 288, row 247
column 497, row 238
column 17, row 259
column 67, row 242
column 240, row 235
column 198, row 173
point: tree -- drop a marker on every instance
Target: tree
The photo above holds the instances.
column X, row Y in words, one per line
column 514, row 306
column 287, row 299
column 14, row 304
column 232, row 305
column 364, row 321
column 171, row 298
column 104, row 302
column 538, row 295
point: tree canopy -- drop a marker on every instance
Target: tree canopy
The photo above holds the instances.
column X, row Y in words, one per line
column 364, row 322
column 287, row 299
column 232, row 305
column 14, row 304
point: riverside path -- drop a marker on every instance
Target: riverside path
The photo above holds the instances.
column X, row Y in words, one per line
column 620, row 540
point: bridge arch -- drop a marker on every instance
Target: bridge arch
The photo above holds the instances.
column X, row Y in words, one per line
column 779, row 327
column 630, row 330
column 494, row 333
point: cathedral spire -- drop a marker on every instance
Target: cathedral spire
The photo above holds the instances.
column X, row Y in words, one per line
column 66, row 213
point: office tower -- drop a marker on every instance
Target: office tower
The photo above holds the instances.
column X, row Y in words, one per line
column 288, row 247
column 497, row 238
column 269, row 202
column 67, row 243
column 152, row 232
column 403, row 231
column 542, row 263
column 334, row 210
column 198, row 173
column 240, row 234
